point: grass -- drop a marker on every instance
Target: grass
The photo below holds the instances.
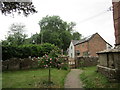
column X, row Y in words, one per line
column 33, row 78
column 93, row 79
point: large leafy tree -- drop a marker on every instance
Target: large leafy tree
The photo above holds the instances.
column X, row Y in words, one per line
column 76, row 36
column 56, row 31
column 20, row 7
column 16, row 35
column 34, row 39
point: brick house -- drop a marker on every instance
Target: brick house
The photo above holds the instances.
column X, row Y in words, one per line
column 88, row 46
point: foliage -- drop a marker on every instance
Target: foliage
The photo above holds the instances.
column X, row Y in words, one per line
column 93, row 79
column 76, row 36
column 20, row 7
column 24, row 51
column 33, row 78
column 34, row 39
column 54, row 62
column 16, row 35
column 56, row 31
column 9, row 52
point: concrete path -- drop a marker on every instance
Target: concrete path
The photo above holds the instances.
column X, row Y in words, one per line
column 73, row 79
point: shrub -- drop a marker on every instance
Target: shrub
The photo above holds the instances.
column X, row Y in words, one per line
column 33, row 50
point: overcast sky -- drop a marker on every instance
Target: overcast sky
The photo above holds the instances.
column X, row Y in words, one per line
column 90, row 16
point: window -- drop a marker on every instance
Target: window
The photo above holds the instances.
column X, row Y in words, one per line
column 77, row 52
column 71, row 54
column 85, row 54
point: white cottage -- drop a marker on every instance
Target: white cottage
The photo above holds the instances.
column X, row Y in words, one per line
column 71, row 50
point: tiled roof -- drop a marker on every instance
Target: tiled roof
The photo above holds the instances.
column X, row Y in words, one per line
column 85, row 39
column 75, row 42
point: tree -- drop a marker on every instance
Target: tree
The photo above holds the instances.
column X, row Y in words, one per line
column 34, row 39
column 16, row 34
column 20, row 7
column 56, row 31
column 76, row 36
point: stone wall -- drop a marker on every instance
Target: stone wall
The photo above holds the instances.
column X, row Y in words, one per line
column 86, row 61
column 26, row 63
column 17, row 64
column 109, row 64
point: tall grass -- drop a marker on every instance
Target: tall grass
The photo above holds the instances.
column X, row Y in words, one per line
column 93, row 79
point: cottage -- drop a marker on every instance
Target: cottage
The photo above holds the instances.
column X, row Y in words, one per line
column 87, row 46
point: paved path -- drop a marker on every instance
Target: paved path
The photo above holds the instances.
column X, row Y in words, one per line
column 73, row 79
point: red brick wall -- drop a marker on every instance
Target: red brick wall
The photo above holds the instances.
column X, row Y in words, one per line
column 96, row 44
column 116, row 17
column 83, row 47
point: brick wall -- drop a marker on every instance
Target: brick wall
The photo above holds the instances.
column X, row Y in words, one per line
column 96, row 44
column 116, row 17
column 83, row 47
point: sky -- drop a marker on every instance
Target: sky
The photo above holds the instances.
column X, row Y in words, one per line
column 90, row 16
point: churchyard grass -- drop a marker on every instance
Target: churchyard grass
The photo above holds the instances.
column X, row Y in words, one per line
column 35, row 78
column 93, row 79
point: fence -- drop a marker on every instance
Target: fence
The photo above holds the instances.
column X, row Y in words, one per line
column 26, row 63
column 86, row 61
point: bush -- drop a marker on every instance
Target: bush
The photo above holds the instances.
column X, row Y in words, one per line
column 24, row 51
column 53, row 62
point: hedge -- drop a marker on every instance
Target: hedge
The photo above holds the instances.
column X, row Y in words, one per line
column 24, row 51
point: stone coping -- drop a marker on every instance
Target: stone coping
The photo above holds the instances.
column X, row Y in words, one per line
column 109, row 51
column 106, row 68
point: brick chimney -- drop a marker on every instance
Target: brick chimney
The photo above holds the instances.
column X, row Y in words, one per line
column 116, row 18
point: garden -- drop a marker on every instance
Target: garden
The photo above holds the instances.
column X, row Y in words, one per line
column 50, row 64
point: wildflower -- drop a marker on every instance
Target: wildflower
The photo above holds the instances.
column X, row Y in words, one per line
column 50, row 58
column 50, row 62
column 46, row 60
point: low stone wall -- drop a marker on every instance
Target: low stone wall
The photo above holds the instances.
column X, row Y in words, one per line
column 17, row 64
column 109, row 64
column 86, row 61
column 26, row 63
